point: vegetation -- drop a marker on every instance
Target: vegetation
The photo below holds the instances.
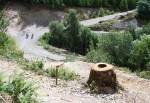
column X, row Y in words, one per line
column 130, row 49
column 123, row 4
column 104, row 26
column 140, row 53
column 144, row 8
column 114, row 48
column 144, row 74
column 70, row 35
column 37, row 67
column 63, row 74
column 100, row 12
column 8, row 47
column 3, row 22
column 20, row 90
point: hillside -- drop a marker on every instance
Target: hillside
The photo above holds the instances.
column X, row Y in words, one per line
column 48, row 50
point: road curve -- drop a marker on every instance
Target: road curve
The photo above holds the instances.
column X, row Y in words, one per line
column 94, row 21
column 28, row 44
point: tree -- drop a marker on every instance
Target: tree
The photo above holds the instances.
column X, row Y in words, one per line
column 114, row 47
column 124, row 5
column 140, row 53
column 132, row 4
column 144, row 8
column 72, row 28
column 57, row 34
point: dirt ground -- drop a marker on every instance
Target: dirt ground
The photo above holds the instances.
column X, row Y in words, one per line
column 136, row 90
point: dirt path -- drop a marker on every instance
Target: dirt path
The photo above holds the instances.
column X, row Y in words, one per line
column 137, row 90
column 27, row 25
column 105, row 18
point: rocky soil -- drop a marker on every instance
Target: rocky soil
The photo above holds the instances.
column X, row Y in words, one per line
column 136, row 90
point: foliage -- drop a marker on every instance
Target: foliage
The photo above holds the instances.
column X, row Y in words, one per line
column 72, row 29
column 3, row 22
column 20, row 90
column 38, row 67
column 101, row 12
column 8, row 47
column 63, row 74
column 57, row 34
column 146, row 29
column 140, row 53
column 144, row 8
column 144, row 74
column 124, row 5
column 83, row 3
column 70, row 35
column 114, row 47
column 104, row 26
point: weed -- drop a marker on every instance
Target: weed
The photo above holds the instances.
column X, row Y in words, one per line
column 144, row 74
column 63, row 74
column 20, row 90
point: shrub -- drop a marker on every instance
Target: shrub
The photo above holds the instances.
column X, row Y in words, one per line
column 20, row 90
column 3, row 22
column 8, row 47
column 63, row 73
column 57, row 34
column 144, row 74
column 104, row 26
column 70, row 35
column 144, row 8
column 124, row 5
column 146, row 29
column 80, row 3
column 36, row 66
column 140, row 53
column 114, row 47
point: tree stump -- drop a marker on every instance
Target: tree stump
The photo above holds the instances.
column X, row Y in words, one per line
column 104, row 78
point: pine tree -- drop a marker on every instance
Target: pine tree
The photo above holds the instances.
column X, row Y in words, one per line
column 72, row 29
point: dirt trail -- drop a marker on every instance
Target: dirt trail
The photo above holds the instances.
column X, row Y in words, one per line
column 27, row 25
column 136, row 90
column 105, row 18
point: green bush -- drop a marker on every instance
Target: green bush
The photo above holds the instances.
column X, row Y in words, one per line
column 144, row 74
column 146, row 29
column 36, row 66
column 20, row 90
column 124, row 5
column 144, row 8
column 8, row 47
column 82, row 3
column 116, row 47
column 57, row 34
column 104, row 26
column 140, row 53
column 63, row 74
column 70, row 35
column 3, row 22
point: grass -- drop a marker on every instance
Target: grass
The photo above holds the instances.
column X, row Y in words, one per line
column 105, row 26
column 144, row 74
column 63, row 74
column 19, row 89
column 38, row 68
column 8, row 48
